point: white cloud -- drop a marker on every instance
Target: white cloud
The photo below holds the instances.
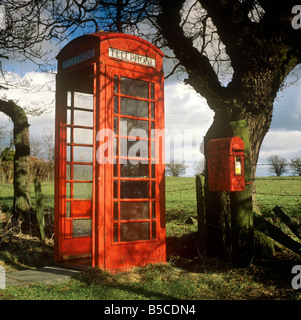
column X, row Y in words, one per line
column 33, row 90
column 187, row 119
column 185, row 109
column 32, row 87
column 283, row 143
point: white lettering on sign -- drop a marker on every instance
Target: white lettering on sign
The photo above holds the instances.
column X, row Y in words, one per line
column 132, row 57
column 79, row 58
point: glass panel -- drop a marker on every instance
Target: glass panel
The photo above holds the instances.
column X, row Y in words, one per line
column 153, row 229
column 131, row 124
column 124, row 147
column 83, row 154
column 68, row 190
column 115, row 170
column 115, row 146
column 133, row 87
column 68, row 116
column 116, row 125
column 153, row 189
column 135, row 108
column 134, row 170
column 82, row 190
column 152, row 91
column 69, row 134
column 83, row 118
column 115, row 232
column 84, row 136
column 115, row 104
column 153, row 130
column 82, row 227
column 115, row 189
column 82, row 172
column 134, row 189
column 83, row 100
column 136, row 148
column 115, row 214
column 69, row 98
column 153, row 146
column 116, row 80
column 152, row 110
column 134, row 231
column 134, row 210
column 153, row 209
column 153, row 171
column 68, row 209
column 68, row 155
column 68, row 173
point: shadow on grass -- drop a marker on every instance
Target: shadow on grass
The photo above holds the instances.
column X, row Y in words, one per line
column 276, row 271
column 98, row 277
column 22, row 251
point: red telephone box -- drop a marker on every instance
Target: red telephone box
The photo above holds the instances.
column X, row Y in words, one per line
column 225, row 163
column 109, row 178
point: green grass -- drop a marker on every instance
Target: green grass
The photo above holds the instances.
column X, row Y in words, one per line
column 154, row 282
column 7, row 191
column 183, row 277
column 282, row 191
column 180, row 205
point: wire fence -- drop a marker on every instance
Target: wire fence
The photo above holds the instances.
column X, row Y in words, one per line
column 181, row 200
column 282, row 191
column 270, row 191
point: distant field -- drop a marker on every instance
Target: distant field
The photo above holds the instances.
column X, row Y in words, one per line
column 181, row 197
column 6, row 196
column 281, row 191
column 271, row 191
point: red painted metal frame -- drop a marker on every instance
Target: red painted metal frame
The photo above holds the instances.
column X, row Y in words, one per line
column 221, row 155
column 104, row 252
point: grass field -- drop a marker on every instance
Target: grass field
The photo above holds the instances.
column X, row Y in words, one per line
column 184, row 276
column 282, row 191
column 181, row 196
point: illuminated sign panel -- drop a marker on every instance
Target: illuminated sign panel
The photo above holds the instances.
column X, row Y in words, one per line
column 79, row 58
column 132, row 57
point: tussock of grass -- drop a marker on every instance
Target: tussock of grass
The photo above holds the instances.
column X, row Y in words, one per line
column 95, row 276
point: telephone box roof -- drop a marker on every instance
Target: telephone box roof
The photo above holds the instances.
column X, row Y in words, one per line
column 102, row 36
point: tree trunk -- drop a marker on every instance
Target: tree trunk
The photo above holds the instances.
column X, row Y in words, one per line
column 218, row 218
column 39, row 207
column 21, row 203
column 218, row 207
column 261, row 57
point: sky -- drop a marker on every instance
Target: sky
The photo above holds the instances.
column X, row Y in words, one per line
column 187, row 117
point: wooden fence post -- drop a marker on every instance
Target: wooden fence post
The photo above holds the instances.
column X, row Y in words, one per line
column 241, row 206
column 202, row 230
column 294, row 227
column 39, row 207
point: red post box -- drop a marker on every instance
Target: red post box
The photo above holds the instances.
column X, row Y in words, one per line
column 225, row 164
column 109, row 178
